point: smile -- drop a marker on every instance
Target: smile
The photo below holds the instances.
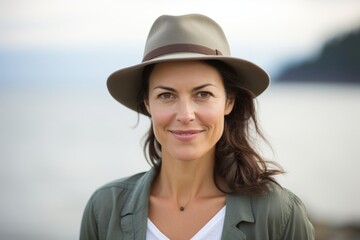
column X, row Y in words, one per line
column 185, row 136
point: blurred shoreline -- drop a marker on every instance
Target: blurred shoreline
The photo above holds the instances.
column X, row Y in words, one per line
column 346, row 231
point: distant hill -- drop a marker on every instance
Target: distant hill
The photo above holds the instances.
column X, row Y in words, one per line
column 338, row 62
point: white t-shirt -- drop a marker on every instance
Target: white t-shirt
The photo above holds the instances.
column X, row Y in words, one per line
column 211, row 231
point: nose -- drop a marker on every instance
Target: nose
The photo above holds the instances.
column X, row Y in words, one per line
column 185, row 111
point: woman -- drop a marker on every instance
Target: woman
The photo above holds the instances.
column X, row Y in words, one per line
column 206, row 180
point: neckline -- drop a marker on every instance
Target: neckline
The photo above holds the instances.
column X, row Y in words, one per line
column 220, row 215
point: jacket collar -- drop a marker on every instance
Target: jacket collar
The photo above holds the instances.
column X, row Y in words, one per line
column 133, row 216
column 135, row 213
column 238, row 209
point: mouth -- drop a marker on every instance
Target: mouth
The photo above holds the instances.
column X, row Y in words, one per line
column 185, row 136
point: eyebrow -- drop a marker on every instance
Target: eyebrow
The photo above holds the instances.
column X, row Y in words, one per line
column 194, row 89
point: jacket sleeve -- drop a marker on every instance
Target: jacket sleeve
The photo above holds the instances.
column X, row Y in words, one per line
column 89, row 229
column 297, row 224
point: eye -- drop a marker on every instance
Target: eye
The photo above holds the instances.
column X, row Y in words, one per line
column 166, row 96
column 203, row 95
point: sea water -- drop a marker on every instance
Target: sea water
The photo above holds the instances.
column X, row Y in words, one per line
column 57, row 146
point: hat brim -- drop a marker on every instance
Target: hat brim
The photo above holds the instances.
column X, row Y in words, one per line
column 125, row 83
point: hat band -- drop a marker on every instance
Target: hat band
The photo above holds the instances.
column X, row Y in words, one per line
column 180, row 48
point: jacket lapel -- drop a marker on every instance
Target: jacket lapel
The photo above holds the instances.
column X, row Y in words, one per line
column 238, row 209
column 133, row 217
column 134, row 214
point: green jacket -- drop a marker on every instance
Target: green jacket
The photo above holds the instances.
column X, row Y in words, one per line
column 119, row 210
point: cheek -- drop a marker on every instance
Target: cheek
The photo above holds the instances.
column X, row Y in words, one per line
column 160, row 118
column 215, row 118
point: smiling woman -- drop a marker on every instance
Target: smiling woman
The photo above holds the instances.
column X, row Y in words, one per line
column 206, row 180
column 187, row 104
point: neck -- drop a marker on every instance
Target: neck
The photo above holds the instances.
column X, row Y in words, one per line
column 184, row 181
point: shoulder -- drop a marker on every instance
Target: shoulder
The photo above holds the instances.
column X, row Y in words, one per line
column 276, row 197
column 277, row 203
column 283, row 211
column 108, row 202
column 114, row 195
column 121, row 184
column 116, row 190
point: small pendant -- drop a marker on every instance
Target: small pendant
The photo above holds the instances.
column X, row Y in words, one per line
column 181, row 209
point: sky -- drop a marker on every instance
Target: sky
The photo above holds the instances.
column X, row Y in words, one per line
column 268, row 32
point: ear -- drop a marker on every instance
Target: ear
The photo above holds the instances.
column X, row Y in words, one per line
column 146, row 103
column 229, row 105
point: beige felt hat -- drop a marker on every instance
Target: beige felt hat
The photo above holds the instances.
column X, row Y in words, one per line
column 187, row 37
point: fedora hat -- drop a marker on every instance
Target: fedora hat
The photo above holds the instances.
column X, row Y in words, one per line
column 178, row 38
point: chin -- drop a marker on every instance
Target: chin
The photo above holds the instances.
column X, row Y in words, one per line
column 187, row 158
column 188, row 154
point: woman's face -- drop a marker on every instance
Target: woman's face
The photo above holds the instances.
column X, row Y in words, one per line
column 187, row 104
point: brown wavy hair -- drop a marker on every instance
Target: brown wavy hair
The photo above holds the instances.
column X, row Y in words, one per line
column 239, row 168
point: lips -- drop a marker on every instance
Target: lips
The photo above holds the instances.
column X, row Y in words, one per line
column 186, row 135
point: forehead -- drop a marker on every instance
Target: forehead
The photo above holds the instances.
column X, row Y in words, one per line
column 184, row 72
